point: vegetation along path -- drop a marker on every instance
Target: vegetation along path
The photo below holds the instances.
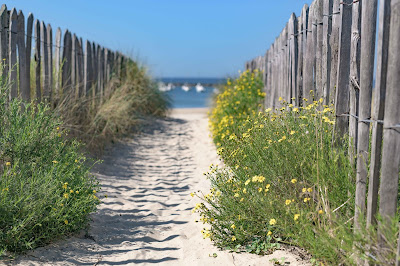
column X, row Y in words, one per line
column 146, row 217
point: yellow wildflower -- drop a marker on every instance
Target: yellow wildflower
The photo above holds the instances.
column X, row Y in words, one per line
column 293, row 180
column 309, row 190
column 288, row 201
column 8, row 164
column 268, row 186
column 242, row 199
column 247, row 182
column 192, row 194
column 233, row 226
column 71, row 191
column 236, row 195
column 260, row 189
column 272, row 222
column 244, row 190
column 66, row 221
column 233, row 238
column 320, row 212
column 280, row 99
column 269, row 233
column 66, row 195
column 55, row 162
column 65, row 185
column 292, row 132
column 296, row 217
column 304, row 190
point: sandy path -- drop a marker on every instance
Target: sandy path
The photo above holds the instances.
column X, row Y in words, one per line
column 146, row 218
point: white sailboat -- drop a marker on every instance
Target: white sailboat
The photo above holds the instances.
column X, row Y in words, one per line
column 185, row 87
column 200, row 88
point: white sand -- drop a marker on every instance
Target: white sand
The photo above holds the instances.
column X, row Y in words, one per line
column 147, row 216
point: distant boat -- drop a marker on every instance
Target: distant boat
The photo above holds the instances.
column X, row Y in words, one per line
column 199, row 88
column 185, row 87
column 163, row 87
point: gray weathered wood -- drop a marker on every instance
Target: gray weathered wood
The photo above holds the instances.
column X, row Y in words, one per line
column 74, row 66
column 49, row 63
column 326, row 49
column 94, row 71
column 38, row 60
column 368, row 33
column 334, row 44
column 301, row 45
column 4, row 54
column 24, row 86
column 66, row 62
column 378, row 111
column 12, row 59
column 309, row 57
column 80, row 68
column 343, row 70
column 318, row 17
column 87, row 69
column 28, row 51
column 355, row 57
column 391, row 128
column 57, row 63
column 293, row 48
column 45, row 60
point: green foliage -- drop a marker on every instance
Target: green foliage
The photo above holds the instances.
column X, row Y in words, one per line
column 284, row 180
column 46, row 190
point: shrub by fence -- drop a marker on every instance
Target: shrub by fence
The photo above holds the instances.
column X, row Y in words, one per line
column 66, row 65
column 330, row 50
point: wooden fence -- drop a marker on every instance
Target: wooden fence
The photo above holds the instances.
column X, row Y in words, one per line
column 64, row 66
column 330, row 49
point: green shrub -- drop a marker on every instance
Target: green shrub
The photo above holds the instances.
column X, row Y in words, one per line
column 284, row 181
column 46, row 190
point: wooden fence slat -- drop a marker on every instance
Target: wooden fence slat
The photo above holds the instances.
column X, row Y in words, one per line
column 66, row 61
column 49, row 63
column 38, row 59
column 293, row 59
column 28, row 51
column 334, row 44
column 4, row 54
column 309, row 57
column 13, row 54
column 45, row 60
column 368, row 33
column 391, row 127
column 24, row 88
column 326, row 49
column 343, row 78
column 301, row 48
column 79, row 65
column 94, row 71
column 354, row 84
column 378, row 111
column 57, row 64
column 87, row 69
column 73, row 65
column 318, row 17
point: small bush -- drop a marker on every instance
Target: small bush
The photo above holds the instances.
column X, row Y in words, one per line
column 284, row 180
column 46, row 190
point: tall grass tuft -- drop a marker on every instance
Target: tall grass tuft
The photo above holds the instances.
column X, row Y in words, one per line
column 46, row 189
column 127, row 101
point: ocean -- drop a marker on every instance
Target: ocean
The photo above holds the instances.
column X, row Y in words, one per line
column 190, row 98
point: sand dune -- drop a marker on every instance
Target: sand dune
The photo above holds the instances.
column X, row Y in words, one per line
column 147, row 218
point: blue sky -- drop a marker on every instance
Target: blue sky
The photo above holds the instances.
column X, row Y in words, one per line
column 174, row 38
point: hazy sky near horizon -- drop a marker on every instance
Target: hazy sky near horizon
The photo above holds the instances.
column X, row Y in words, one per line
column 174, row 38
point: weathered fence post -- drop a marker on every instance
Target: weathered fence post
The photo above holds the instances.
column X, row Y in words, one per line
column 309, row 58
column 28, row 51
column 391, row 127
column 378, row 111
column 38, row 59
column 326, row 49
column 318, row 26
column 302, row 38
column 13, row 54
column 342, row 90
column 368, row 32
column 57, row 62
column 79, row 67
column 66, row 59
column 45, row 60
column 354, row 86
column 73, row 66
column 4, row 34
column 293, row 48
column 24, row 88
column 49, row 62
column 334, row 43
column 87, row 69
